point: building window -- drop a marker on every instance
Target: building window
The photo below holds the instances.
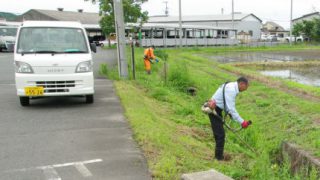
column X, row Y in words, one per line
column 251, row 33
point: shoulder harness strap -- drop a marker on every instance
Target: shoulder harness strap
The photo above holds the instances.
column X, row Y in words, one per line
column 224, row 99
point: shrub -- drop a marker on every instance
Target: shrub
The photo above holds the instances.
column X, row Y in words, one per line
column 179, row 77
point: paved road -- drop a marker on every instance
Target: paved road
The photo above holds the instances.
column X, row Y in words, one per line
column 64, row 138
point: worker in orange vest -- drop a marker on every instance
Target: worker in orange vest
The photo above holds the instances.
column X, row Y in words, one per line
column 149, row 58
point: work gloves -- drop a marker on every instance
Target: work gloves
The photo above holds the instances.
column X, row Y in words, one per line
column 245, row 124
column 154, row 60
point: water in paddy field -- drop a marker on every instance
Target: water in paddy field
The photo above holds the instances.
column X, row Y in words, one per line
column 258, row 56
column 303, row 75
column 306, row 75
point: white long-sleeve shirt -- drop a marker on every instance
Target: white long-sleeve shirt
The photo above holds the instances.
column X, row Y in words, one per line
column 231, row 92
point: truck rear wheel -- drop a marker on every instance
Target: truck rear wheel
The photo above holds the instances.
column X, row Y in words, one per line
column 24, row 101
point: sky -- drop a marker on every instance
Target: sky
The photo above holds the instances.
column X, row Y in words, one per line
column 267, row 10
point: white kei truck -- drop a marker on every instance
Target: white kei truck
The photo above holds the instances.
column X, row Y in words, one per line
column 53, row 58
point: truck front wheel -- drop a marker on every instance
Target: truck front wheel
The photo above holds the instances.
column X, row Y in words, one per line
column 89, row 99
column 24, row 101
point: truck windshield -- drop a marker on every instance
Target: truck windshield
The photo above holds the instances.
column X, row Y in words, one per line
column 51, row 40
column 8, row 31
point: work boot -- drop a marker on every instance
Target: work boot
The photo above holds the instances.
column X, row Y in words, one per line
column 219, row 154
column 223, row 157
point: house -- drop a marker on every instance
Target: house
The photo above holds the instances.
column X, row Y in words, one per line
column 306, row 17
column 272, row 28
column 248, row 23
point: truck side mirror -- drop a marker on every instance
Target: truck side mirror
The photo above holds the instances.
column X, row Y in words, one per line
column 93, row 47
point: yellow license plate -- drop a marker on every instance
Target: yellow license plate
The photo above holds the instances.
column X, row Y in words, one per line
column 34, row 91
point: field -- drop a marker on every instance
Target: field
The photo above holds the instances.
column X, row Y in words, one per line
column 175, row 135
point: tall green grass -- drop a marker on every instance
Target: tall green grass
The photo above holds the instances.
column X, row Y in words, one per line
column 176, row 136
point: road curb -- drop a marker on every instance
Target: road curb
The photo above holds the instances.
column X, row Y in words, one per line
column 205, row 175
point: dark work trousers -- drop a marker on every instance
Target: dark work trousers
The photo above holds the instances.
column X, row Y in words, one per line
column 218, row 132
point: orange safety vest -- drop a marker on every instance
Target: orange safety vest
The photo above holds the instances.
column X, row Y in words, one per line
column 148, row 54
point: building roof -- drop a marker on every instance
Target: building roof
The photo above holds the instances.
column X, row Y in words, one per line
column 275, row 26
column 193, row 18
column 83, row 17
column 7, row 16
column 243, row 33
column 307, row 15
column 174, row 26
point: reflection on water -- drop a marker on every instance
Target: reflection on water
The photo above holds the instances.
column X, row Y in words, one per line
column 308, row 75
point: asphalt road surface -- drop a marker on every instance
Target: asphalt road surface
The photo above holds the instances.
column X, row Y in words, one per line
column 64, row 138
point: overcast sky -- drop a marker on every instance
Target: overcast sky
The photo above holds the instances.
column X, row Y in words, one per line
column 267, row 10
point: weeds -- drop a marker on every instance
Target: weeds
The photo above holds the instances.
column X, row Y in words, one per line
column 111, row 73
column 176, row 137
column 179, row 77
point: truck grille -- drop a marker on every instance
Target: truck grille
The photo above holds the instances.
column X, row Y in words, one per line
column 56, row 86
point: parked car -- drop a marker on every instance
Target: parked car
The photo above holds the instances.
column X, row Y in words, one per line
column 294, row 39
column 264, row 37
column 106, row 42
column 53, row 59
column 272, row 38
column 7, row 37
column 97, row 38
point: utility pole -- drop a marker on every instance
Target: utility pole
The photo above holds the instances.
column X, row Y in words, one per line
column 180, row 25
column 233, row 15
column 121, row 42
column 291, row 24
column 167, row 9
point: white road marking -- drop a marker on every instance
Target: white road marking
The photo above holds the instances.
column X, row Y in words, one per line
column 50, row 173
column 74, row 163
column 84, row 171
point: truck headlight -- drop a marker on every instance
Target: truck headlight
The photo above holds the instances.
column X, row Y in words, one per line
column 84, row 67
column 21, row 67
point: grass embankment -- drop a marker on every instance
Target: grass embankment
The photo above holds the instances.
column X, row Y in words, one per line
column 176, row 136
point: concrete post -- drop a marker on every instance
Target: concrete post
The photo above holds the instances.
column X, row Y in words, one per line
column 121, row 42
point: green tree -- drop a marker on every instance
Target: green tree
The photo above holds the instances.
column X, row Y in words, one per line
column 308, row 27
column 297, row 29
column 132, row 13
column 316, row 30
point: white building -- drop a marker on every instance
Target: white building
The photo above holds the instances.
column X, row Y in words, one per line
column 307, row 17
column 248, row 23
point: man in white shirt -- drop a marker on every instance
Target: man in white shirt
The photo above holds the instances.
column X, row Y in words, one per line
column 225, row 99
